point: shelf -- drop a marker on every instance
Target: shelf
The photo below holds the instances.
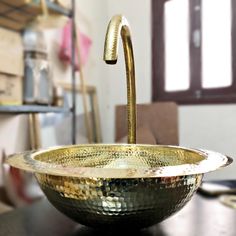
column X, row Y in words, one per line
column 16, row 14
column 60, row 10
column 25, row 109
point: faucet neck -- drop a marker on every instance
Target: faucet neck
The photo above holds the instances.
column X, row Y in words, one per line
column 119, row 26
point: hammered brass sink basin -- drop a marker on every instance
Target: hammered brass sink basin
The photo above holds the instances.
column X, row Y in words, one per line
column 119, row 185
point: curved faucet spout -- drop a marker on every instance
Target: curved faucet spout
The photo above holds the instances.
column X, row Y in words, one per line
column 119, row 26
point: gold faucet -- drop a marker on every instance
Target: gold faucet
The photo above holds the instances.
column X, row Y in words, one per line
column 119, row 26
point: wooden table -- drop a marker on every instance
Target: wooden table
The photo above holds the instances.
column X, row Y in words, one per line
column 200, row 217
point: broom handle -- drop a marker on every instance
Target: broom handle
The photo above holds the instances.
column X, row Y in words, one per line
column 83, row 86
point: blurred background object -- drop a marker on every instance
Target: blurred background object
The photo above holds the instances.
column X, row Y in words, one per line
column 47, row 20
column 24, row 53
column 52, row 129
column 157, row 123
column 20, row 187
column 65, row 52
column 11, row 68
column 38, row 87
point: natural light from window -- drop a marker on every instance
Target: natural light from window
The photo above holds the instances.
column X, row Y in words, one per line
column 216, row 43
column 176, row 45
column 215, row 40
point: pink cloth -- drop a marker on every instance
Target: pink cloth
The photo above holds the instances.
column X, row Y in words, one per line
column 65, row 53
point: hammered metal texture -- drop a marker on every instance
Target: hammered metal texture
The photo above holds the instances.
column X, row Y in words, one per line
column 119, row 156
column 126, row 202
column 106, row 203
column 119, row 185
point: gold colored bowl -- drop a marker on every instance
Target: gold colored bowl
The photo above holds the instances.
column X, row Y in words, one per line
column 119, row 185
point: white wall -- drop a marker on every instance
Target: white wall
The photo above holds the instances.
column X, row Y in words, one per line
column 211, row 127
column 14, row 133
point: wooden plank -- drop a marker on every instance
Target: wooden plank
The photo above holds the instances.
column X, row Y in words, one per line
column 11, row 53
column 20, row 17
column 67, row 86
column 3, row 8
column 34, row 7
column 11, row 92
column 33, row 10
column 15, row 14
column 9, row 24
column 15, row 3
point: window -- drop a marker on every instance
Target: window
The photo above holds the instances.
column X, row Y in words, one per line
column 194, row 59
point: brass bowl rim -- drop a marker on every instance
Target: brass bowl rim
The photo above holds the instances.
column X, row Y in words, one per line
column 212, row 161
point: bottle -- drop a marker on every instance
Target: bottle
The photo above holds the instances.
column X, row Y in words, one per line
column 38, row 87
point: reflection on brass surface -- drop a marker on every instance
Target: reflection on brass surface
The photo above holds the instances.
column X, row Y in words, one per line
column 124, row 202
column 119, row 185
column 119, row 26
column 119, row 161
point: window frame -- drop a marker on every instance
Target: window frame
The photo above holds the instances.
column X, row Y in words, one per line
column 196, row 94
